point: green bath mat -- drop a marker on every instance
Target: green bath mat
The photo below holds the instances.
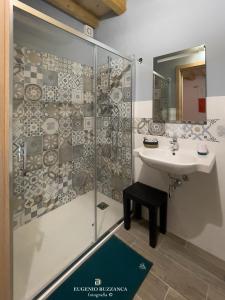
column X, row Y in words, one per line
column 114, row 271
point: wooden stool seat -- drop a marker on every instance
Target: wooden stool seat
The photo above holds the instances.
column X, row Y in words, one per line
column 153, row 199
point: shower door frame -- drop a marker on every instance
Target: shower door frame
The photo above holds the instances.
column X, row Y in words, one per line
column 31, row 11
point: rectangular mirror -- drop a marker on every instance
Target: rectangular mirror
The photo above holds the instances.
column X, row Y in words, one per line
column 179, row 87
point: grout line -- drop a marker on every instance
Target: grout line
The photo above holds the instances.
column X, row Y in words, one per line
column 207, row 293
column 160, row 279
column 167, row 292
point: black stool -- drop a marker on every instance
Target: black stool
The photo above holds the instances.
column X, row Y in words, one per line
column 153, row 199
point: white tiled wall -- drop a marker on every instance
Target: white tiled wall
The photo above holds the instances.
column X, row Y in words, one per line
column 197, row 210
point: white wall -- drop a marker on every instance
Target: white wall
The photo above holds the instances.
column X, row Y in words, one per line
column 196, row 211
column 152, row 28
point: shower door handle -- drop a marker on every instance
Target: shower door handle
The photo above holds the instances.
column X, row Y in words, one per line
column 25, row 159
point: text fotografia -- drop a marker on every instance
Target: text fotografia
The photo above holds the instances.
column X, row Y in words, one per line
column 100, row 291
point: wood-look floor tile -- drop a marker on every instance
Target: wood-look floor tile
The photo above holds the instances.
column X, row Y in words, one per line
column 179, row 254
column 152, row 288
column 173, row 274
column 174, row 295
column 215, row 294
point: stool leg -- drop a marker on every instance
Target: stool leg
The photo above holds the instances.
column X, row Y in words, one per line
column 137, row 210
column 126, row 212
column 163, row 217
column 152, row 226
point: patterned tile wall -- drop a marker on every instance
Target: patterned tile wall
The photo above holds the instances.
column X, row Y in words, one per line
column 53, row 132
column 114, row 128
column 212, row 131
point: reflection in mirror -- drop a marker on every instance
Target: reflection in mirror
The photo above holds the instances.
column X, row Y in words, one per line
column 179, row 87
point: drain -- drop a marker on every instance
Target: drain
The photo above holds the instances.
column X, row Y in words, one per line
column 102, row 205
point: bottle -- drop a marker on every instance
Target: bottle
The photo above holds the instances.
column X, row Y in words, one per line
column 202, row 149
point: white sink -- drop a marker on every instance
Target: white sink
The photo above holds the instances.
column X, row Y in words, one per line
column 184, row 162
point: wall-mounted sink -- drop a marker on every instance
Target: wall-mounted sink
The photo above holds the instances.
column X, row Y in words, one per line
column 183, row 162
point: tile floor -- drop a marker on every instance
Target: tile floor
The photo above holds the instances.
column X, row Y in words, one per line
column 177, row 273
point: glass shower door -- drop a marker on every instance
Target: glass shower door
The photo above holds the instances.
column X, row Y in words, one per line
column 113, row 137
column 53, row 152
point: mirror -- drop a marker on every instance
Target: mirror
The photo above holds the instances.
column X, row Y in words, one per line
column 179, row 87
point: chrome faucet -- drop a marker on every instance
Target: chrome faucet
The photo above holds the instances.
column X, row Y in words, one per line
column 174, row 144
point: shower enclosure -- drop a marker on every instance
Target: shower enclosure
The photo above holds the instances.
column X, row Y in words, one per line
column 71, row 146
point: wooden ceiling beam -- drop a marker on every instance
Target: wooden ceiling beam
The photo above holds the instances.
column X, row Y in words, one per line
column 118, row 6
column 75, row 10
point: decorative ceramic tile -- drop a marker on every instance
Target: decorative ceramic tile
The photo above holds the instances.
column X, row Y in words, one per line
column 33, row 74
column 50, row 62
column 126, row 124
column 201, row 132
column 18, row 90
column 50, row 189
column 34, row 145
column 64, row 65
column 78, row 122
column 126, row 79
column 77, row 82
column 184, row 131
column 88, row 97
column 78, row 137
column 88, row 150
column 65, row 126
column 32, row 57
column 125, row 109
column 18, row 185
column 33, row 184
column 50, row 141
column 77, row 68
column 65, row 94
column 18, row 109
column 77, row 96
column 87, row 71
column 127, row 94
column 103, row 122
column 34, row 162
column 50, row 157
column 33, row 127
column 33, row 92
column 65, row 110
column 50, row 78
column 89, row 123
column 88, row 109
column 156, row 128
column 18, row 128
column 117, row 67
column 50, row 110
column 33, row 110
column 18, row 55
column 89, row 136
column 65, row 178
column 116, row 95
column 65, row 80
column 50, row 126
column 50, row 93
column 65, row 152
column 18, row 73
column 55, row 125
